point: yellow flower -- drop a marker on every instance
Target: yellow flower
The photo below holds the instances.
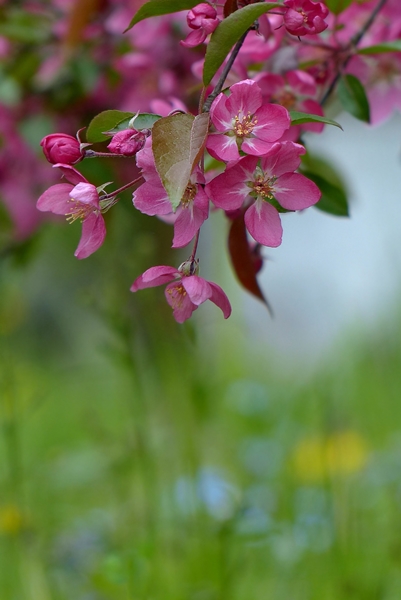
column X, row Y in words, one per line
column 11, row 520
column 341, row 453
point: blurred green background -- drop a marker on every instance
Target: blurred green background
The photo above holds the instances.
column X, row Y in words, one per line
column 144, row 460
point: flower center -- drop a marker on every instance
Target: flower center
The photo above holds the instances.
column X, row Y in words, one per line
column 243, row 127
column 286, row 99
column 189, row 194
column 78, row 211
column 264, row 186
column 177, row 294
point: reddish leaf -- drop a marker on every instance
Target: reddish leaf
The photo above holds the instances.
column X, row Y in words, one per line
column 229, row 7
column 243, row 260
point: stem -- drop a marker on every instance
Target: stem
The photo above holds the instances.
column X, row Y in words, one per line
column 121, row 189
column 354, row 43
column 94, row 154
column 192, row 257
column 226, row 70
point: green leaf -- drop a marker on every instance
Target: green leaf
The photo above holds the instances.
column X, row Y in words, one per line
column 177, row 143
column 298, row 118
column 337, row 6
column 334, row 198
column 22, row 26
column 105, row 121
column 393, row 46
column 155, row 8
column 228, row 33
column 353, row 97
column 142, row 121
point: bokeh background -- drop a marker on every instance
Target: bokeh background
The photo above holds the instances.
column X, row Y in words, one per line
column 252, row 458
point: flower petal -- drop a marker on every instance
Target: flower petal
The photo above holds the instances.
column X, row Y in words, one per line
column 245, row 97
column 197, row 288
column 295, row 191
column 263, row 223
column 220, row 299
column 93, row 234
column 56, row 199
column 154, row 276
column 151, row 198
column 179, row 301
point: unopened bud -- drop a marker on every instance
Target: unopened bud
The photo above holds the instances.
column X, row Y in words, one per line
column 189, row 267
column 62, row 148
column 128, row 142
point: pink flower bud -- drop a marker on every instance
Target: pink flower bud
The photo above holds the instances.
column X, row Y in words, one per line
column 62, row 148
column 305, row 17
column 203, row 19
column 128, row 142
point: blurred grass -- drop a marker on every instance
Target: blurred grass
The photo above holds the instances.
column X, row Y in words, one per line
column 137, row 463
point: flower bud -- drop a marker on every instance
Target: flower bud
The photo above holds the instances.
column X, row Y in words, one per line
column 62, row 148
column 128, row 142
column 203, row 20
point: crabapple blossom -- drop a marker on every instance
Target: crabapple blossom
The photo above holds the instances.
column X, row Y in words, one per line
column 186, row 291
column 242, row 123
column 305, row 17
column 62, row 148
column 253, row 183
column 203, row 20
column 151, row 198
column 77, row 200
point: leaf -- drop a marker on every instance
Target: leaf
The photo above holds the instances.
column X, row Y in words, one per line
column 105, row 121
column 177, row 143
column 155, row 8
column 334, row 197
column 393, row 46
column 142, row 121
column 353, row 97
column 22, row 26
column 241, row 258
column 230, row 6
column 228, row 33
column 337, row 6
column 297, row 118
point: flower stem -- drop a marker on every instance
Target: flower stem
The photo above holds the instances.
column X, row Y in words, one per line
column 121, row 189
column 226, row 70
column 354, row 43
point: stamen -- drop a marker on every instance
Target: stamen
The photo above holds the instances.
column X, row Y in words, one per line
column 264, row 187
column 189, row 194
column 244, row 127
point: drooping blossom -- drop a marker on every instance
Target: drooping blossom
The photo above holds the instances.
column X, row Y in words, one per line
column 254, row 183
column 186, row 291
column 203, row 20
column 62, row 148
column 304, row 17
column 151, row 198
column 242, row 123
column 78, row 199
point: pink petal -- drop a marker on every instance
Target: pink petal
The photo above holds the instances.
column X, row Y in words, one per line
column 188, row 222
column 222, row 147
column 154, row 276
column 245, row 97
column 263, row 223
column 255, row 147
column 194, row 38
column 219, row 115
column 179, row 300
column 93, row 234
column 295, row 191
column 197, row 288
column 283, row 157
column 273, row 120
column 220, row 299
column 85, row 193
column 56, row 199
column 151, row 198
column 71, row 174
column 229, row 190
column 301, row 82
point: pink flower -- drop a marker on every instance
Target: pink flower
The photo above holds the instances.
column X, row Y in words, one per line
column 128, row 142
column 186, row 292
column 242, row 123
column 304, row 17
column 151, row 198
column 77, row 200
column 257, row 184
column 62, row 148
column 203, row 20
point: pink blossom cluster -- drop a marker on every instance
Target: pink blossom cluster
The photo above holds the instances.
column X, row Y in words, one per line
column 290, row 60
